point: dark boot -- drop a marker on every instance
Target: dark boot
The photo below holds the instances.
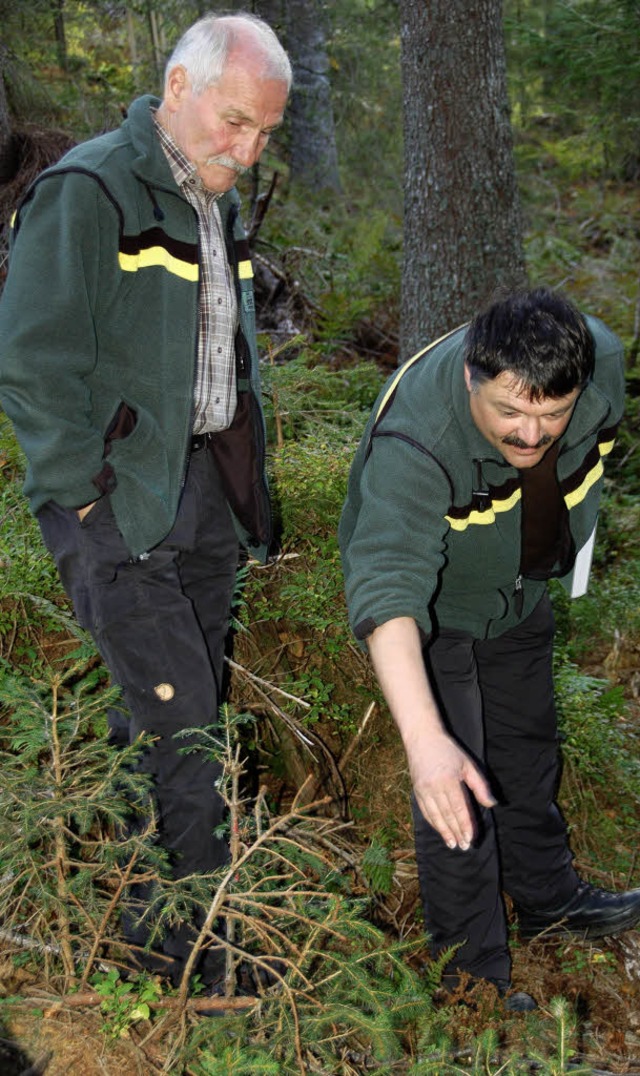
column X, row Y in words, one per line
column 591, row 913
column 516, row 1001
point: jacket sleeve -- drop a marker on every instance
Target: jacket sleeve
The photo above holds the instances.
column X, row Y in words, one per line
column 608, row 374
column 392, row 535
column 48, row 337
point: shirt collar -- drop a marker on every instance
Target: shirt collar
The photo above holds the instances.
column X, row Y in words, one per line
column 182, row 169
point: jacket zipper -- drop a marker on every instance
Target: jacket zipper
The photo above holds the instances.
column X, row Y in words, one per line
column 518, row 594
column 254, row 407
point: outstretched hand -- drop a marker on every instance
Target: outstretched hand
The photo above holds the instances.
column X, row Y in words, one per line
column 443, row 775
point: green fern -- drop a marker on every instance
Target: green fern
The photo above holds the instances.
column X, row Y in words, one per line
column 377, row 867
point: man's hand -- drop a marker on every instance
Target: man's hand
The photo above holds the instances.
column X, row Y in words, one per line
column 442, row 773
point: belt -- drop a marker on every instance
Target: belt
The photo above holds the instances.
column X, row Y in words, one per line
column 198, row 441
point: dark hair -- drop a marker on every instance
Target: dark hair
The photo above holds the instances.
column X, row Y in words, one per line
column 538, row 336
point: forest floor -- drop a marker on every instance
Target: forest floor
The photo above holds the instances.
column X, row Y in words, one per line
column 601, row 981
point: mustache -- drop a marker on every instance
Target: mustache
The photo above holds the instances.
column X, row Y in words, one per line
column 515, row 442
column 226, row 162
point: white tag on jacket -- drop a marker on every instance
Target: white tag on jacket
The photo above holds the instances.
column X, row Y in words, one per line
column 582, row 567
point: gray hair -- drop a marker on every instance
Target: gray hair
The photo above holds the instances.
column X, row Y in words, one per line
column 205, row 47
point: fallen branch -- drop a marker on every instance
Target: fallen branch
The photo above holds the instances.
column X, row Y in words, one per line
column 91, row 1000
column 266, row 683
column 342, row 762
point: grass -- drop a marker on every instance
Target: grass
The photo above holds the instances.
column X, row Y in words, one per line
column 293, row 635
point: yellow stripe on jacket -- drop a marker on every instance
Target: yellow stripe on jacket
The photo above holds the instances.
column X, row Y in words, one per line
column 158, row 256
column 476, row 518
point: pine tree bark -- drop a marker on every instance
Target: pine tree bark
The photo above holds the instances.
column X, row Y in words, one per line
column 313, row 154
column 8, row 157
column 57, row 9
column 462, row 224
column 5, row 119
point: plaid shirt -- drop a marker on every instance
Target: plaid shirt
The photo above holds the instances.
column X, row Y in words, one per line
column 215, row 387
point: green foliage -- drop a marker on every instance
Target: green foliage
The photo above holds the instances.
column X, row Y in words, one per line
column 610, row 611
column 582, row 239
column 31, row 597
column 322, row 412
column 547, row 1050
column 347, row 264
column 28, row 584
column 305, row 602
column 608, row 615
column 311, row 484
column 579, row 61
column 581, row 960
column 364, row 54
column 589, row 714
column 377, row 866
column 346, row 1000
column 562, row 1060
column 626, row 460
column 341, row 983
column 236, row 1060
column 311, row 397
column 363, row 999
column 125, row 1003
column 78, row 77
column 601, row 785
column 64, row 793
column 66, row 801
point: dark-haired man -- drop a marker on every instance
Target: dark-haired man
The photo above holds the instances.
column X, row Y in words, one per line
column 477, row 479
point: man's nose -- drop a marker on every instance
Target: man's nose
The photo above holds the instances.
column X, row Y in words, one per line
column 246, row 149
column 530, row 430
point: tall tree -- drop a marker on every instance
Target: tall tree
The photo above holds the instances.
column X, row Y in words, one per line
column 57, row 8
column 5, row 119
column 462, row 224
column 313, row 154
column 579, row 63
column 7, row 144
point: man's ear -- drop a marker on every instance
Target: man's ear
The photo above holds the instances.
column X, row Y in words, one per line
column 467, row 377
column 176, row 86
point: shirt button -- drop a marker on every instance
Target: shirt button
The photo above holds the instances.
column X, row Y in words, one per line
column 219, row 351
column 214, row 252
column 219, row 302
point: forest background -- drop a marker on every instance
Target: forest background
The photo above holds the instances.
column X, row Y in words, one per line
column 345, row 288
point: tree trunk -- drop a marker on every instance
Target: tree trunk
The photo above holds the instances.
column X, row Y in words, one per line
column 156, row 46
column 313, row 155
column 57, row 7
column 5, row 118
column 133, row 49
column 8, row 152
column 462, row 230
column 272, row 11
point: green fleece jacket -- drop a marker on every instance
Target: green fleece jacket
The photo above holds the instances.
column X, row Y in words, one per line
column 98, row 339
column 431, row 528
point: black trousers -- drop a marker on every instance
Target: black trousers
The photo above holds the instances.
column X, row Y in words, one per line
column 160, row 624
column 496, row 696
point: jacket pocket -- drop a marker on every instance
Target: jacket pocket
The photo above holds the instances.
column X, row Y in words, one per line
column 122, row 425
column 240, row 462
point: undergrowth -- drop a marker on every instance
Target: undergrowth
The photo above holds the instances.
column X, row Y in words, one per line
column 297, row 901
